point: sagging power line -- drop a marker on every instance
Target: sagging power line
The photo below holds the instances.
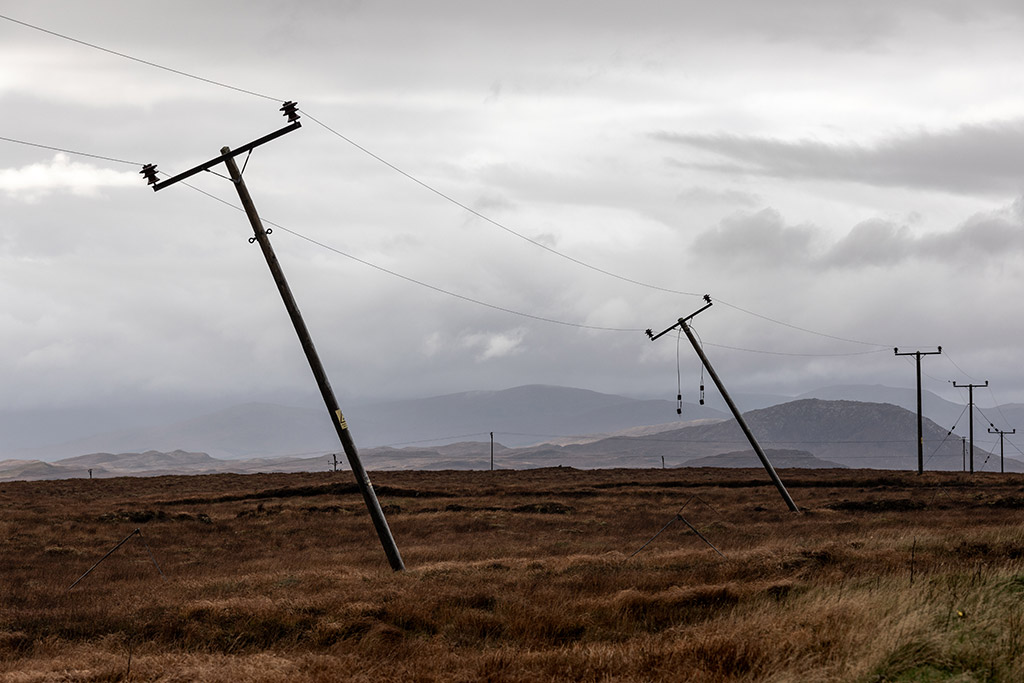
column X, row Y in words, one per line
column 427, row 186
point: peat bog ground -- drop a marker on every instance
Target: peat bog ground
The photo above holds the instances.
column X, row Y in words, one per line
column 516, row 576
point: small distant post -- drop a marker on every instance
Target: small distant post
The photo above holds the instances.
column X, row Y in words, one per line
column 492, row 451
column 90, row 473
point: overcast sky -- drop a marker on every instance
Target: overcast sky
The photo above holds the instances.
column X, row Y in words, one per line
column 852, row 169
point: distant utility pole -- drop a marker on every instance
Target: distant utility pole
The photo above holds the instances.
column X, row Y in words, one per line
column 963, row 442
column 920, row 430
column 1001, row 433
column 227, row 157
column 970, row 409
column 681, row 323
column 492, row 451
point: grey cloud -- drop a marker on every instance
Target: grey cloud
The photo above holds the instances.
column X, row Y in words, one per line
column 707, row 195
column 880, row 242
column 871, row 243
column 762, row 237
column 983, row 234
column 970, row 159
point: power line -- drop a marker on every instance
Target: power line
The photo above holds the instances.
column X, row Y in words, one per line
column 432, row 189
column 439, row 289
column 69, row 151
column 950, row 359
column 136, row 59
column 421, row 283
column 488, row 219
column 502, row 308
column 429, row 187
column 439, row 438
column 786, row 353
column 363, row 149
column 796, row 327
column 390, row 165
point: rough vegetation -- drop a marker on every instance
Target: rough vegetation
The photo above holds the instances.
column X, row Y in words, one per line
column 516, row 576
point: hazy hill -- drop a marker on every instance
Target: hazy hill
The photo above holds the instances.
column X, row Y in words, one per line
column 850, row 433
column 944, row 413
column 803, row 433
column 779, row 458
column 519, row 416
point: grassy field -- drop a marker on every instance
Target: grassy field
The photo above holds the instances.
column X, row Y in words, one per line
column 516, row 576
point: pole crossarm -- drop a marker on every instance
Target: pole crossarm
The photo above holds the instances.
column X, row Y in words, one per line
column 289, row 109
column 681, row 321
column 920, row 427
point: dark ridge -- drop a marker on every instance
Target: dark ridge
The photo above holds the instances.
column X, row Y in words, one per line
column 335, row 489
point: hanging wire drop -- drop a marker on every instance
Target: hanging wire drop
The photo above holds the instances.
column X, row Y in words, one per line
column 701, row 341
column 679, row 379
column 702, row 385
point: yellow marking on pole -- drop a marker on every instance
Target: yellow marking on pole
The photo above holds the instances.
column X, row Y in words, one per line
column 341, row 419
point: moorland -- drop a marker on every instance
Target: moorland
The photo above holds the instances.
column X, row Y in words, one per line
column 530, row 575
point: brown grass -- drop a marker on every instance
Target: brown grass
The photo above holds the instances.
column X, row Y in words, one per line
column 516, row 576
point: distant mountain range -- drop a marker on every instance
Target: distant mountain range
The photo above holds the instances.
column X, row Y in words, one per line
column 801, row 433
column 519, row 416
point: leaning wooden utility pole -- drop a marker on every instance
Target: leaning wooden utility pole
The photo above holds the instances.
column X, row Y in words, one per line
column 920, row 428
column 261, row 235
column 681, row 323
column 970, row 411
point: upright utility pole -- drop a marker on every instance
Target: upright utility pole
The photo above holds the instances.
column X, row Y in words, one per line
column 227, row 156
column 920, row 429
column 1001, row 433
column 681, row 323
column 970, row 409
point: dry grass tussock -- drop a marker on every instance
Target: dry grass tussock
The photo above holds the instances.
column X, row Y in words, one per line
column 516, row 576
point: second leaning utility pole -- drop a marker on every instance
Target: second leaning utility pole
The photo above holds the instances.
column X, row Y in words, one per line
column 732, row 406
column 970, row 409
column 920, row 429
column 1001, row 433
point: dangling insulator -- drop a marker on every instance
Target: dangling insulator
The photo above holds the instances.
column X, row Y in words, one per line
column 679, row 404
column 702, row 394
